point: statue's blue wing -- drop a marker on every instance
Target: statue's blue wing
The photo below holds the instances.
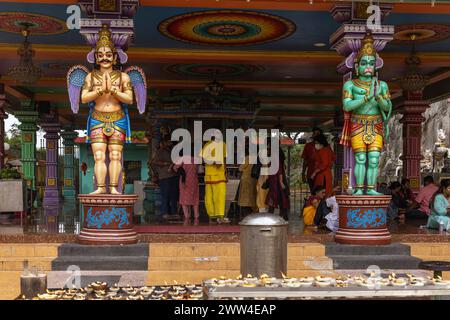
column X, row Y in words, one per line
column 139, row 84
column 75, row 81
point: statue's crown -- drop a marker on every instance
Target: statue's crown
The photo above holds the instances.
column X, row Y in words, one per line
column 104, row 39
column 367, row 48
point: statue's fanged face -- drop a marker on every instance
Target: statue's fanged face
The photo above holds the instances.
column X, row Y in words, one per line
column 366, row 66
column 105, row 57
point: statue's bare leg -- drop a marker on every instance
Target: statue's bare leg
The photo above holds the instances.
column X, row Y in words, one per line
column 99, row 151
column 372, row 173
column 115, row 166
column 360, row 172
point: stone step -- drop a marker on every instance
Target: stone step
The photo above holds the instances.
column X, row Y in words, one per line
column 225, row 249
column 382, row 261
column 194, row 249
column 68, row 250
column 101, row 263
column 336, row 249
column 231, row 263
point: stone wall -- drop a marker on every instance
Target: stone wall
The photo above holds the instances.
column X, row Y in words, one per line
column 436, row 117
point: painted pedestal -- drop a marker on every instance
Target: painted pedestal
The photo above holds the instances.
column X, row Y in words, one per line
column 362, row 220
column 108, row 219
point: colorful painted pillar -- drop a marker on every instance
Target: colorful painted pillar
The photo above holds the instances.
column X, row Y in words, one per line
column 52, row 128
column 346, row 41
column 28, row 118
column 412, row 108
column 338, row 149
column 68, row 191
column 3, row 116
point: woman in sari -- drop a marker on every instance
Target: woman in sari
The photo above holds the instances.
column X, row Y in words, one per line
column 325, row 158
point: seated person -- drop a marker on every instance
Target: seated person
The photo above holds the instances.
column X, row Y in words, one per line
column 327, row 214
column 439, row 205
column 311, row 205
column 333, row 217
column 406, row 190
column 398, row 201
column 420, row 207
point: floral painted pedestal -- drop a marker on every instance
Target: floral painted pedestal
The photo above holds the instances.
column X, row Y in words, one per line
column 362, row 220
column 108, row 219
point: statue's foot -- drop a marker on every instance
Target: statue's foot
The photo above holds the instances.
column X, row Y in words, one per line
column 373, row 192
column 113, row 190
column 100, row 190
column 358, row 192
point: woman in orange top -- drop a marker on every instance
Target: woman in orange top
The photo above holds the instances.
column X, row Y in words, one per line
column 324, row 158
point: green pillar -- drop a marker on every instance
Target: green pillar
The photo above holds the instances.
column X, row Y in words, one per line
column 28, row 127
column 69, row 192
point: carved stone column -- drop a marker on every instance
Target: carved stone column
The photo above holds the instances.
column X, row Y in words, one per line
column 69, row 192
column 413, row 84
column 412, row 109
column 50, row 125
column 3, row 116
column 28, row 118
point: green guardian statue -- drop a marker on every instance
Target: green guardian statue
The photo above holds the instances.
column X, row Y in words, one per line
column 367, row 107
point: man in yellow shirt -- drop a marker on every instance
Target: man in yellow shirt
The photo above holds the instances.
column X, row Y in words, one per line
column 213, row 154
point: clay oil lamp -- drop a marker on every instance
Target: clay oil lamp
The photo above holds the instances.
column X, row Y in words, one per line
column 115, row 288
column 111, row 294
column 146, row 291
column 341, row 283
column 383, row 282
column 438, row 281
column 269, row 281
column 67, row 296
column 72, row 291
column 196, row 295
column 89, row 289
column 189, row 286
column 165, row 287
column 359, row 280
column 250, row 278
column 416, row 281
column 397, row 282
column 306, row 281
column 160, row 291
column 79, row 296
column 100, row 292
column 156, row 296
column 323, row 281
column 59, row 292
column 99, row 286
column 128, row 288
column 47, row 296
column 135, row 297
column 177, row 296
column 197, row 290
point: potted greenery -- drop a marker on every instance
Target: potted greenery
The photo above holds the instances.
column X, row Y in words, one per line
column 10, row 173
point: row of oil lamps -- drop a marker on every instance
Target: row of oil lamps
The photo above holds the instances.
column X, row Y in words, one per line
column 101, row 291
